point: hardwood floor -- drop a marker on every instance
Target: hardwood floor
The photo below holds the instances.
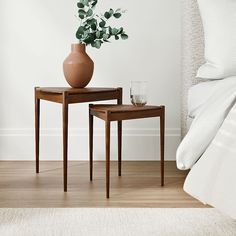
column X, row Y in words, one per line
column 139, row 185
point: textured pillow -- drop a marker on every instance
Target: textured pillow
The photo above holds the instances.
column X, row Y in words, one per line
column 219, row 23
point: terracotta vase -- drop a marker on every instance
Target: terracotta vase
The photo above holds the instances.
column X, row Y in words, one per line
column 78, row 67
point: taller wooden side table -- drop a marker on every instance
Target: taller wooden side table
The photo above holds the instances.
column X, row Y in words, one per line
column 66, row 96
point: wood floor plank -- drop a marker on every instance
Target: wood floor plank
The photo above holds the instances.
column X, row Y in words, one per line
column 139, row 185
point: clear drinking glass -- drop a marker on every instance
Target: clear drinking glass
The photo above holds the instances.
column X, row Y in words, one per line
column 138, row 93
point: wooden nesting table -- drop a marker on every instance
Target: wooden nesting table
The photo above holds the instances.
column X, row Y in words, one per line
column 66, row 96
column 119, row 113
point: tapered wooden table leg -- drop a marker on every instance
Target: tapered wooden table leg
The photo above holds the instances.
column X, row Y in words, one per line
column 162, row 143
column 91, row 146
column 37, row 127
column 119, row 123
column 107, row 159
column 65, row 138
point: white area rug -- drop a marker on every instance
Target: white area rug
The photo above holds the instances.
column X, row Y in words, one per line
column 114, row 222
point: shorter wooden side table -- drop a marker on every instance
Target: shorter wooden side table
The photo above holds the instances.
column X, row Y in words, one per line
column 110, row 113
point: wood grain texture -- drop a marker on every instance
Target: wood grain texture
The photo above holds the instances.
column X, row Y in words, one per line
column 119, row 135
column 77, row 95
column 122, row 108
column 125, row 112
column 162, row 144
column 107, row 141
column 69, row 90
column 139, row 185
column 65, row 138
column 91, row 146
column 37, row 127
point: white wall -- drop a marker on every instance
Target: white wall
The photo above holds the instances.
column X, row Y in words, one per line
column 35, row 38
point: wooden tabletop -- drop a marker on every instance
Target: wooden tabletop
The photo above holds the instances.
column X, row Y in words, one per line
column 122, row 108
column 70, row 95
column 60, row 90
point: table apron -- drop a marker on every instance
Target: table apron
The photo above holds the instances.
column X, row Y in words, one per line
column 92, row 97
column 131, row 115
column 78, row 98
column 134, row 115
column 51, row 98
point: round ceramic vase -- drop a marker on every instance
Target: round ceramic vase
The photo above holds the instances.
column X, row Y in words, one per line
column 78, row 67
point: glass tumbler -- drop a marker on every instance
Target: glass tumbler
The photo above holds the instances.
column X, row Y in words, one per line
column 138, row 93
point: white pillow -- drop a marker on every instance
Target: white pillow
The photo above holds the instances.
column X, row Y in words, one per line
column 219, row 23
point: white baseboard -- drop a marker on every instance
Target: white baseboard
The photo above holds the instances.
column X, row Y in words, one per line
column 138, row 144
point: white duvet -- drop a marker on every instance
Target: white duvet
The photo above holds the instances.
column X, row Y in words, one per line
column 212, row 138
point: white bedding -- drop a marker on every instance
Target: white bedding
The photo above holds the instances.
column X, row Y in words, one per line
column 206, row 124
column 212, row 178
column 198, row 95
column 213, row 132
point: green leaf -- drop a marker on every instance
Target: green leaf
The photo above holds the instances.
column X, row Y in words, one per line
column 120, row 30
column 79, row 36
column 124, row 36
column 98, row 34
column 81, row 30
column 114, row 31
column 106, row 36
column 86, row 2
column 86, row 33
column 81, row 16
column 102, row 23
column 97, row 44
column 90, row 12
column 111, row 11
column 104, row 30
column 107, row 15
column 82, row 12
column 93, row 44
column 92, row 21
column 86, row 26
column 90, row 38
column 94, row 3
column 117, row 15
column 117, row 37
column 80, row 5
column 93, row 26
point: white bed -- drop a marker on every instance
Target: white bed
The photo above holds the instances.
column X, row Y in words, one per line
column 209, row 145
column 198, row 95
column 212, row 137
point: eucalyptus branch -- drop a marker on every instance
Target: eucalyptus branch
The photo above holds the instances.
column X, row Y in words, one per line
column 93, row 29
